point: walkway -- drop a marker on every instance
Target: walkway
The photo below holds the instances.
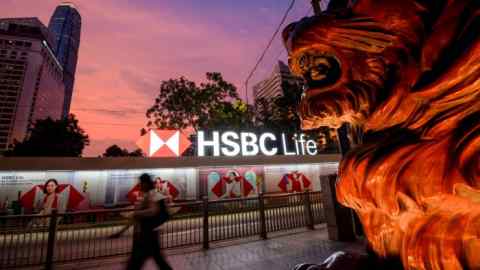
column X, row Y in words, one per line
column 276, row 253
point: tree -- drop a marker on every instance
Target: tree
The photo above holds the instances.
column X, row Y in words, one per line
column 52, row 138
column 281, row 113
column 117, row 151
column 236, row 115
column 183, row 104
column 136, row 153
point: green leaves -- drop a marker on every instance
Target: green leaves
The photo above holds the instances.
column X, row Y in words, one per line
column 183, row 104
column 280, row 113
column 117, row 151
column 52, row 138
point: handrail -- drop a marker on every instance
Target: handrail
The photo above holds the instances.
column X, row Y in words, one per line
column 130, row 208
column 25, row 242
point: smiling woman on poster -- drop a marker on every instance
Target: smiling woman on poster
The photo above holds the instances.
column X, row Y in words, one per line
column 51, row 200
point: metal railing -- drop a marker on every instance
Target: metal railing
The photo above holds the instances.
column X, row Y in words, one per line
column 30, row 240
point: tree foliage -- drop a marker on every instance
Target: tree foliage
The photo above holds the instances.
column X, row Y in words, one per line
column 52, row 138
column 281, row 113
column 116, row 151
column 183, row 104
column 234, row 115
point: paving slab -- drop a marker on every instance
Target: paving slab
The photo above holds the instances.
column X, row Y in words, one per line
column 280, row 252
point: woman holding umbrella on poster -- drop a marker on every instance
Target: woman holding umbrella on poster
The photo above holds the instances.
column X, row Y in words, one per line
column 51, row 199
column 49, row 202
column 42, row 199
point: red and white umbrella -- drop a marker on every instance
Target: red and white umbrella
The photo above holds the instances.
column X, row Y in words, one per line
column 135, row 193
column 220, row 187
column 294, row 182
column 67, row 194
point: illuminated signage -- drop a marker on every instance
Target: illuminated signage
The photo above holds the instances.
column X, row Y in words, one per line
column 163, row 143
column 231, row 144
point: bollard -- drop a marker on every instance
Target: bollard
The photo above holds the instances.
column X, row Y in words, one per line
column 52, row 232
column 308, row 210
column 205, row 223
column 261, row 207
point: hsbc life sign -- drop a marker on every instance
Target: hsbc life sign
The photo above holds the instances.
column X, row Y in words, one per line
column 173, row 143
column 232, row 144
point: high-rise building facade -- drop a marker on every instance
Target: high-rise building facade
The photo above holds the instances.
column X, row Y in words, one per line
column 31, row 78
column 66, row 25
column 273, row 86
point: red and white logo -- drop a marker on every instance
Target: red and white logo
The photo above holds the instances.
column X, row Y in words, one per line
column 163, row 143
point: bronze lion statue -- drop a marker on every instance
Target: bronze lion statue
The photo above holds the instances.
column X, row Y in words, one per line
column 406, row 72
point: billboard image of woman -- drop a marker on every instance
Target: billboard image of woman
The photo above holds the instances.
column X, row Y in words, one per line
column 228, row 183
column 51, row 195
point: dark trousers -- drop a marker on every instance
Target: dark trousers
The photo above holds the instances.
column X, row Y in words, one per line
column 146, row 245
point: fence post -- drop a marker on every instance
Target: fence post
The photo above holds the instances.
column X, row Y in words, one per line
column 308, row 210
column 261, row 207
column 205, row 222
column 52, row 232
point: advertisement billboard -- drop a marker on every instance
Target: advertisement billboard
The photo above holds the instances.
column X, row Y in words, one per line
column 83, row 190
column 33, row 191
column 231, row 182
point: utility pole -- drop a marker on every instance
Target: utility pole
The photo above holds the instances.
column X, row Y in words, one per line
column 316, row 7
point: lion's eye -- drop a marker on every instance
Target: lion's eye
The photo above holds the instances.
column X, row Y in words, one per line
column 322, row 64
column 302, row 62
column 322, row 70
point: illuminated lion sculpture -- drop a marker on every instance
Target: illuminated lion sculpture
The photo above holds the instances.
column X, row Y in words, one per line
column 407, row 73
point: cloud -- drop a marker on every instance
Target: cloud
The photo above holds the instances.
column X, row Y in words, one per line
column 87, row 70
column 143, row 82
column 128, row 47
column 265, row 10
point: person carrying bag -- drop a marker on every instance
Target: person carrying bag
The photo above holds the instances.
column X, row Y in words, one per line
column 150, row 213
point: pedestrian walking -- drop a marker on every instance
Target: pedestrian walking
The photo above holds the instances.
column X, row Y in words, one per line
column 150, row 213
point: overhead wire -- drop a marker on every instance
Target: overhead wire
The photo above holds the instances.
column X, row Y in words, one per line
column 260, row 59
column 282, row 49
column 108, row 111
column 269, row 44
column 96, row 110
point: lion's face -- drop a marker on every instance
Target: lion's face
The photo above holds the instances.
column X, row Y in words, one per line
column 345, row 62
column 409, row 71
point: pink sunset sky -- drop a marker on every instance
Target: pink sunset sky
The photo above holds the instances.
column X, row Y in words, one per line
column 128, row 48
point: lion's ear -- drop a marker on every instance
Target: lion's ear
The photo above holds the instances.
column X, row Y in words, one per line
column 443, row 43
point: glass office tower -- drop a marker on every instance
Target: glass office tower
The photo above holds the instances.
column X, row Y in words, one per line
column 66, row 24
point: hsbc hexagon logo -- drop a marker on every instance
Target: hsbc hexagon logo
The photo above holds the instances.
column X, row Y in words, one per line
column 163, row 143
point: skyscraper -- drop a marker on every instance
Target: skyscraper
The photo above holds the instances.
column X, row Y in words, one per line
column 273, row 86
column 31, row 78
column 66, row 24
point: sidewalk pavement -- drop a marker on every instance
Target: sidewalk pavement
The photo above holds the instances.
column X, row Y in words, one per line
column 277, row 253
